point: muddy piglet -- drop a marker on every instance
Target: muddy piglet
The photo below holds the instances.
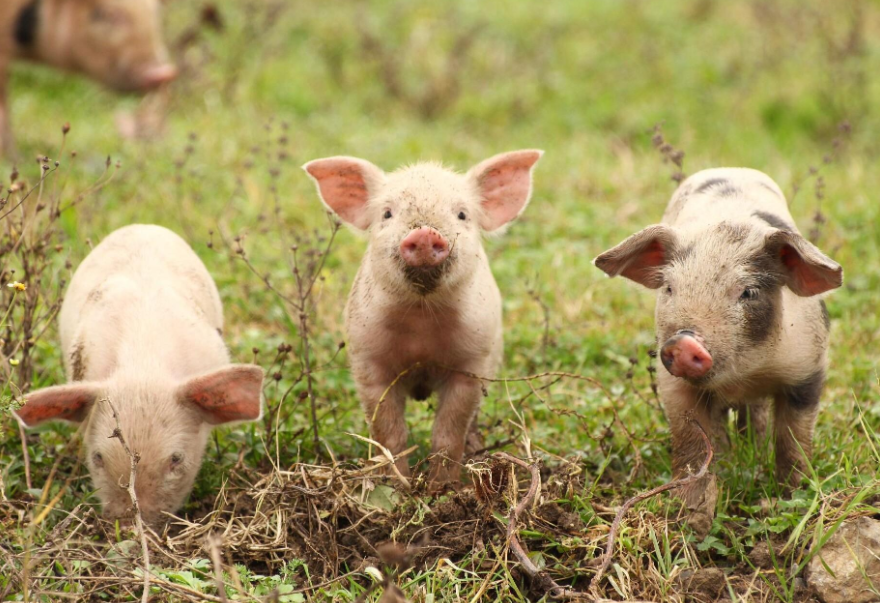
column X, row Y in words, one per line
column 739, row 319
column 141, row 333
column 115, row 42
column 424, row 311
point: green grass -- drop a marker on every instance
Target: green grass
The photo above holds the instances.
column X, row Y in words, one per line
column 733, row 84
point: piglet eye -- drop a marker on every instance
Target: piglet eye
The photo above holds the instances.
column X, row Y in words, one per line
column 176, row 459
column 98, row 460
column 387, row 214
column 462, row 216
column 668, row 290
column 748, row 294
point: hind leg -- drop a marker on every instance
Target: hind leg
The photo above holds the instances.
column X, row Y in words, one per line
column 796, row 410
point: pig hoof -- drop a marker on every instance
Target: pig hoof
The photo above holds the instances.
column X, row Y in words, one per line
column 474, row 442
column 700, row 522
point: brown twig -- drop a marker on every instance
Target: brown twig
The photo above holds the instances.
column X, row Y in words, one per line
column 605, row 560
column 139, row 522
column 539, row 578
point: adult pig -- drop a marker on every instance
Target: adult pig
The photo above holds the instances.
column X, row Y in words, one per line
column 424, row 311
column 141, row 334
column 115, row 42
column 739, row 318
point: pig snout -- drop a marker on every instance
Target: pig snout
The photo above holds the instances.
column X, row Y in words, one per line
column 156, row 76
column 684, row 356
column 424, row 248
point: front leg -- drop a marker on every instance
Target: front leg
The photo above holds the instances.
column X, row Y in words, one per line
column 385, row 415
column 459, row 399
column 686, row 407
column 795, row 413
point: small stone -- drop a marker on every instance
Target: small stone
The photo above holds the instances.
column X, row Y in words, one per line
column 853, row 556
column 761, row 555
column 708, row 581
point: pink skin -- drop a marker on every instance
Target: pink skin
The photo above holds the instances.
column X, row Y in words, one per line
column 685, row 356
column 424, row 248
column 157, row 76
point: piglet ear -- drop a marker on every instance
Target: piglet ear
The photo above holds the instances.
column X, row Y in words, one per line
column 504, row 183
column 807, row 270
column 70, row 402
column 228, row 394
column 345, row 185
column 641, row 256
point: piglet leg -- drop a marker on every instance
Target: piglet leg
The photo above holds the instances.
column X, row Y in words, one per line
column 685, row 408
column 386, row 419
column 458, row 403
column 795, row 413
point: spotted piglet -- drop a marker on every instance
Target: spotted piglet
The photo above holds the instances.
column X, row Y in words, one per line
column 424, row 312
column 141, row 333
column 739, row 318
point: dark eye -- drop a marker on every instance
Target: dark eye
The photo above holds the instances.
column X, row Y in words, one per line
column 387, row 214
column 749, row 293
column 98, row 460
column 176, row 460
column 668, row 290
column 462, row 216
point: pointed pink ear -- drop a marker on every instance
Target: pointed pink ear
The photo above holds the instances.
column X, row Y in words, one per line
column 505, row 185
column 228, row 394
column 641, row 256
column 345, row 185
column 808, row 271
column 70, row 402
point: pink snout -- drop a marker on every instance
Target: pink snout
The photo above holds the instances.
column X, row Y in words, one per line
column 156, row 76
column 684, row 356
column 424, row 248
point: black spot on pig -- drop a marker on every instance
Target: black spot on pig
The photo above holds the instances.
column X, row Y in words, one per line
column 773, row 220
column 805, row 395
column 26, row 25
column 761, row 315
column 711, row 183
column 761, row 310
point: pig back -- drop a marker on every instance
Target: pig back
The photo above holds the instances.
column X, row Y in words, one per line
column 728, row 195
column 140, row 264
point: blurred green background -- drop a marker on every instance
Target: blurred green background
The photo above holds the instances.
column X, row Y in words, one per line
column 788, row 87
